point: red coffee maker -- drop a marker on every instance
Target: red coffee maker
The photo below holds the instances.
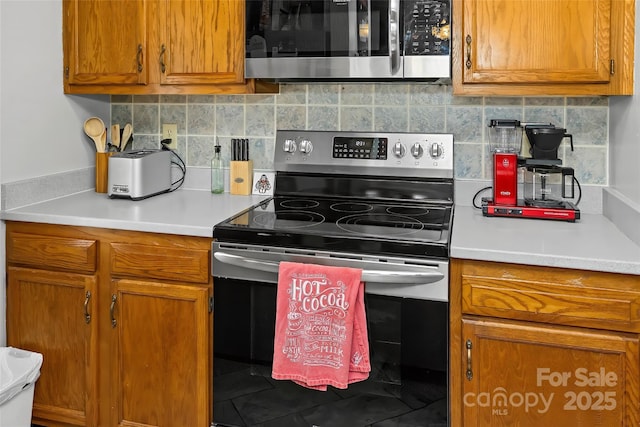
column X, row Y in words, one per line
column 505, row 142
column 540, row 200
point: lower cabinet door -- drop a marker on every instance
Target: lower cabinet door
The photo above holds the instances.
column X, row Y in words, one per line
column 54, row 313
column 522, row 374
column 162, row 372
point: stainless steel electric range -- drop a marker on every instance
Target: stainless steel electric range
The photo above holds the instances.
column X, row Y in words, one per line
column 382, row 202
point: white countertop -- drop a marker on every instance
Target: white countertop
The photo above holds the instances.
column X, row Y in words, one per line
column 592, row 243
column 185, row 212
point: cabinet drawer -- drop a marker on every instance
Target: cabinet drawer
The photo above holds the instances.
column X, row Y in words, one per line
column 552, row 295
column 160, row 262
column 52, row 252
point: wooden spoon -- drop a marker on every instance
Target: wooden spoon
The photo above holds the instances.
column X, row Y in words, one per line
column 94, row 127
column 103, row 141
column 115, row 136
column 126, row 135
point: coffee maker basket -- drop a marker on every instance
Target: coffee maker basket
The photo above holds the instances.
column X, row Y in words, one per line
column 545, row 142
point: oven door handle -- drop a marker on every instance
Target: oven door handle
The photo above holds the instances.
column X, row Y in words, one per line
column 377, row 276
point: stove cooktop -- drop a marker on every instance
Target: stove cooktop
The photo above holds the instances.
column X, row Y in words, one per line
column 363, row 226
column 360, row 192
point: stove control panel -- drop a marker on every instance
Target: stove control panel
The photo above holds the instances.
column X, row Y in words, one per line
column 377, row 153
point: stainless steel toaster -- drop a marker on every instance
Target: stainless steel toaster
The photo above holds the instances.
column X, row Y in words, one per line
column 139, row 174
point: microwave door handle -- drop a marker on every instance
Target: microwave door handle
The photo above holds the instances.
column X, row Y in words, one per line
column 394, row 36
column 377, row 276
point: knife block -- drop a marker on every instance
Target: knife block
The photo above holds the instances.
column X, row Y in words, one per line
column 241, row 177
column 102, row 171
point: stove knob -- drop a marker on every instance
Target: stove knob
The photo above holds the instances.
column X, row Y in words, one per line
column 435, row 150
column 289, row 146
column 416, row 150
column 305, row 146
column 399, row 150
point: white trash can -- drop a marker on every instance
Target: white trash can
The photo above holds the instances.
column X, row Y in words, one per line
column 19, row 371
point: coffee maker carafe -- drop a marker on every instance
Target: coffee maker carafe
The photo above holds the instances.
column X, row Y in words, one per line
column 549, row 186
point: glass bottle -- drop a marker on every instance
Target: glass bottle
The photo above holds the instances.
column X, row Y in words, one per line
column 217, row 172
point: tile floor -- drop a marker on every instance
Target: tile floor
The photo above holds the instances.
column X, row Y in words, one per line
column 246, row 395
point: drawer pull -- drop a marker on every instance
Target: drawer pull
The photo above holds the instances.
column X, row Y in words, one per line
column 87, row 316
column 111, row 310
column 469, row 370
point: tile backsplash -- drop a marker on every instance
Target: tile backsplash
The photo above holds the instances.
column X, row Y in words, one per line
column 391, row 107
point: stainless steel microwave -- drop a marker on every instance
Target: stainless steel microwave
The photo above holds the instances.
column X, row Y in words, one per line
column 319, row 40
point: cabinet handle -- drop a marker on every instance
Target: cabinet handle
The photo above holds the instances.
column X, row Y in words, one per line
column 163, row 49
column 469, row 370
column 468, row 62
column 139, row 58
column 87, row 298
column 111, row 309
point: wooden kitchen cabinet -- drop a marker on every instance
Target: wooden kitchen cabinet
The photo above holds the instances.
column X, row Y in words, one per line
column 52, row 285
column 536, row 47
column 565, row 341
column 526, row 374
column 155, row 47
column 105, row 43
column 53, row 313
column 160, row 356
column 145, row 355
column 161, row 332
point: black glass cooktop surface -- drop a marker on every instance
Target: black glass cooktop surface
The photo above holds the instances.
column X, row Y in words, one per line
column 342, row 224
column 346, row 213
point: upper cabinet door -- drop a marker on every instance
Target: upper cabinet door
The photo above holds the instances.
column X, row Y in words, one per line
column 200, row 42
column 105, row 42
column 535, row 41
column 543, row 47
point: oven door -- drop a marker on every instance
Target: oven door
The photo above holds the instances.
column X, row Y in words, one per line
column 407, row 340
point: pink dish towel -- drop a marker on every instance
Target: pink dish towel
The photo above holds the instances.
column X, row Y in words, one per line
column 321, row 327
